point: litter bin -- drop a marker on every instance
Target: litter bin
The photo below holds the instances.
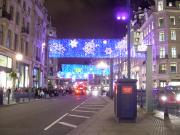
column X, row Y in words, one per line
column 1, row 97
column 125, row 101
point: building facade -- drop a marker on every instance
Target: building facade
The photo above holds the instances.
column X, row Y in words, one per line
column 23, row 31
column 53, row 67
column 160, row 28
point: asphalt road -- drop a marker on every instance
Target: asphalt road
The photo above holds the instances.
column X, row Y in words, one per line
column 56, row 116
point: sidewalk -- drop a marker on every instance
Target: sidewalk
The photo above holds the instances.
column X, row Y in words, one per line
column 104, row 123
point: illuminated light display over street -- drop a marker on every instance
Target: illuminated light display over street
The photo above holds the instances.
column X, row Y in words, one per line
column 88, row 48
column 77, row 71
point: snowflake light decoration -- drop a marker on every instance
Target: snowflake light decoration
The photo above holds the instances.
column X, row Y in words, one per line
column 89, row 47
column 108, row 51
column 73, row 43
column 57, row 48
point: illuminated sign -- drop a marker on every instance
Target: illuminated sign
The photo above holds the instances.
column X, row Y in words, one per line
column 127, row 89
column 87, row 48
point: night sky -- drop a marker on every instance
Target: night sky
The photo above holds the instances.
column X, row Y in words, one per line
column 86, row 18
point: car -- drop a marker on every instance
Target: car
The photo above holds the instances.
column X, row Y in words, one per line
column 169, row 95
column 80, row 88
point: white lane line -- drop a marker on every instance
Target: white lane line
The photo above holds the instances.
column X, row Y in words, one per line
column 79, row 116
column 68, row 124
column 93, row 105
column 88, row 108
column 84, row 111
column 78, row 106
column 56, row 121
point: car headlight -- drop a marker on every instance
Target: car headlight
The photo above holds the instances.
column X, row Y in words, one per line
column 163, row 98
column 95, row 93
column 178, row 97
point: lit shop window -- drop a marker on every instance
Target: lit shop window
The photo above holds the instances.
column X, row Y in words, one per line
column 160, row 5
column 173, row 52
column 172, row 20
column 173, row 35
column 162, row 68
column 173, row 67
column 162, row 52
column 161, row 36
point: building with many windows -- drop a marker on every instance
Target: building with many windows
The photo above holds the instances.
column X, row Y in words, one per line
column 23, row 31
column 161, row 29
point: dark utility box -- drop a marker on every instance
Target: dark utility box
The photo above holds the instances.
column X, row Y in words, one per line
column 1, row 97
column 125, row 100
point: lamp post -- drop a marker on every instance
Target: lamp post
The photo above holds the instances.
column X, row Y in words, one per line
column 19, row 57
column 125, row 15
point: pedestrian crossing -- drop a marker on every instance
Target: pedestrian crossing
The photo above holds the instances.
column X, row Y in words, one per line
column 80, row 113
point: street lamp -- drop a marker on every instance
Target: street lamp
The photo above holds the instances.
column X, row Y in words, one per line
column 19, row 57
column 124, row 14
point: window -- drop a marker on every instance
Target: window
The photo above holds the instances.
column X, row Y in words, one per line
column 17, row 18
column 172, row 20
column 12, row 12
column 26, row 49
column 173, row 35
column 15, row 42
column 162, row 68
column 173, row 52
column 1, row 34
column 160, row 5
column 161, row 36
column 22, row 45
column 160, row 22
column 8, row 40
column 29, row 11
column 162, row 52
column 152, row 25
column 28, row 27
column 162, row 83
column 19, row 1
column 24, row 5
column 173, row 67
column 23, row 22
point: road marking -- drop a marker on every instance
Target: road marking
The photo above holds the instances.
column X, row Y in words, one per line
column 83, row 111
column 93, row 105
column 79, row 116
column 68, row 124
column 78, row 106
column 88, row 108
column 56, row 121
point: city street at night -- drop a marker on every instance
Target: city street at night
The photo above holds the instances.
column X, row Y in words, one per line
column 89, row 67
column 43, row 116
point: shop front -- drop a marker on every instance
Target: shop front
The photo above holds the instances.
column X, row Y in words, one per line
column 23, row 75
column 5, row 69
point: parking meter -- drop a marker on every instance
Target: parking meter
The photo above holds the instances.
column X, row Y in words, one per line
column 125, row 101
